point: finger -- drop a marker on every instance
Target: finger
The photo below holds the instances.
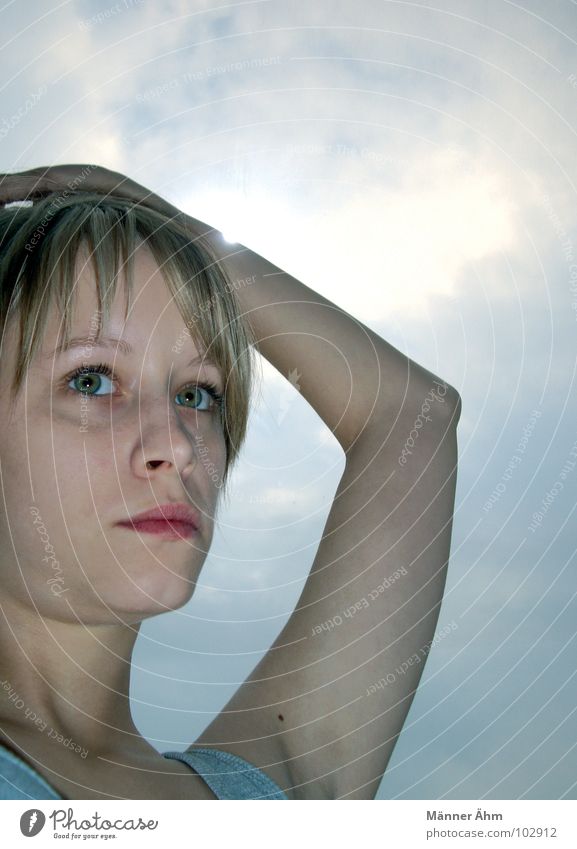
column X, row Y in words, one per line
column 82, row 177
column 17, row 187
column 38, row 182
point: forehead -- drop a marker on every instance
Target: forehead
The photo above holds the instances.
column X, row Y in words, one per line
column 151, row 296
column 153, row 313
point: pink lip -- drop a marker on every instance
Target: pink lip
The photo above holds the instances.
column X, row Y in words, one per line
column 172, row 521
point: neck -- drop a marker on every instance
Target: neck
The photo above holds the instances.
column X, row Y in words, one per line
column 69, row 679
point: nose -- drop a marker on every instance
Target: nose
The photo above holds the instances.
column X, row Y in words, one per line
column 163, row 447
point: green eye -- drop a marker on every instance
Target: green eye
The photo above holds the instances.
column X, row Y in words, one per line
column 97, row 380
column 92, row 380
column 192, row 397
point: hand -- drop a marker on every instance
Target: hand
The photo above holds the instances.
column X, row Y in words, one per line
column 40, row 182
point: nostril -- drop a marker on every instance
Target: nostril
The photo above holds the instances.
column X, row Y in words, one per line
column 152, row 464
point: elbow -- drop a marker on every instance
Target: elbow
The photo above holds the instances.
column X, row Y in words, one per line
column 454, row 405
column 437, row 400
column 422, row 390
column 448, row 408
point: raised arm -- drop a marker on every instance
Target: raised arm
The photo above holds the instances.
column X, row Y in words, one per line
column 323, row 709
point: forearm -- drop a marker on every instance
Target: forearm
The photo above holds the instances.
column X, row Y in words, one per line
column 346, row 372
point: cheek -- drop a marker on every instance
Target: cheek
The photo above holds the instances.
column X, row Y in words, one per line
column 69, row 470
column 210, row 449
column 46, row 496
column 26, row 460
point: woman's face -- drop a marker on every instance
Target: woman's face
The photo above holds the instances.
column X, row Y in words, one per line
column 80, row 455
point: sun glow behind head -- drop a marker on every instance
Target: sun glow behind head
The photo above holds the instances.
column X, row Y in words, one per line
column 380, row 249
column 256, row 220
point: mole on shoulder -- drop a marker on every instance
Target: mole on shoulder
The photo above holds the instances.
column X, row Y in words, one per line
column 281, row 717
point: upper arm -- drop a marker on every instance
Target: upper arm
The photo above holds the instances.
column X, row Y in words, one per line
column 312, row 713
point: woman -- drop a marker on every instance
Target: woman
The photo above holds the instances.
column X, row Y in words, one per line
column 127, row 331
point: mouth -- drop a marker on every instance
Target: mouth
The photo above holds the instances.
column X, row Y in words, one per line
column 170, row 521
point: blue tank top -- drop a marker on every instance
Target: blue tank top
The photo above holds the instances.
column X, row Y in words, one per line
column 227, row 775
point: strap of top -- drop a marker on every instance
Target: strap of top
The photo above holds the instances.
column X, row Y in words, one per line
column 18, row 780
column 229, row 776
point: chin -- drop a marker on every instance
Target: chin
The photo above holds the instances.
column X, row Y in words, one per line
column 159, row 591
column 141, row 605
column 152, row 588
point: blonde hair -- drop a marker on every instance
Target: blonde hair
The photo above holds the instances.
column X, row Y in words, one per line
column 39, row 248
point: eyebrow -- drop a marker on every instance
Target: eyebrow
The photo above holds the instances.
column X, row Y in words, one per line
column 121, row 345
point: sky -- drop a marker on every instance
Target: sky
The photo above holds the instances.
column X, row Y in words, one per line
column 414, row 162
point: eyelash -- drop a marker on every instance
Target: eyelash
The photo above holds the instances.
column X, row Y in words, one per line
column 106, row 370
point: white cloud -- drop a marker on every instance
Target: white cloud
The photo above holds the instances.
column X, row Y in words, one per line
column 379, row 248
